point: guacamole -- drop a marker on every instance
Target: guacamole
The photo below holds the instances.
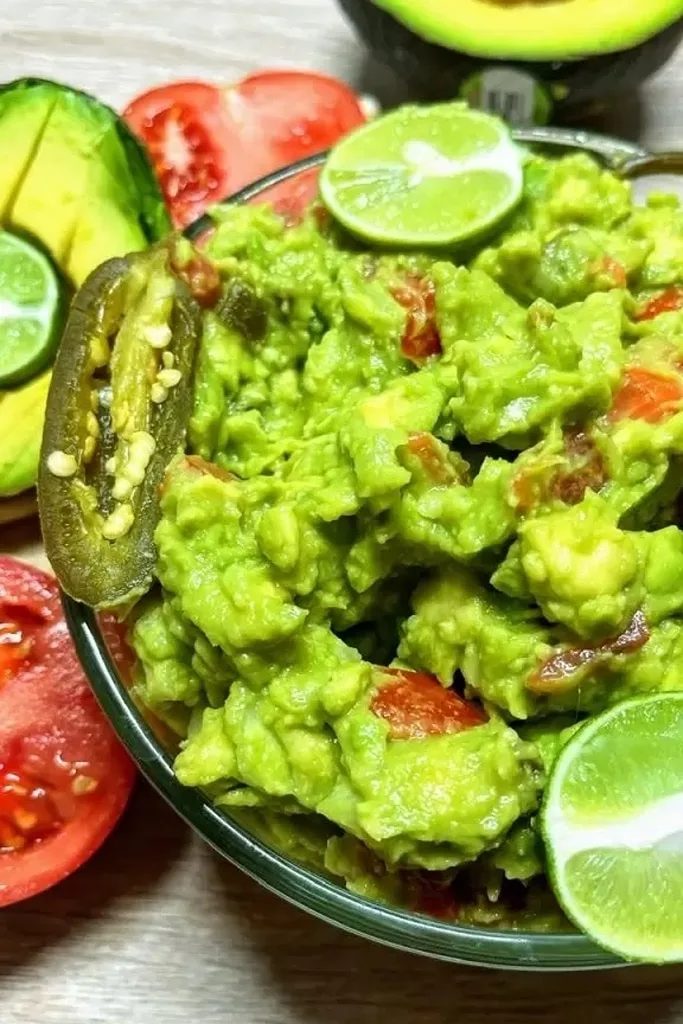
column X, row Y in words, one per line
column 425, row 526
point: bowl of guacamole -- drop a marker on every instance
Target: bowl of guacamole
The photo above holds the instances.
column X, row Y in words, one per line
column 425, row 525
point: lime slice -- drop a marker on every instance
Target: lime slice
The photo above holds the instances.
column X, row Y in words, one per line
column 424, row 176
column 612, row 820
column 30, row 307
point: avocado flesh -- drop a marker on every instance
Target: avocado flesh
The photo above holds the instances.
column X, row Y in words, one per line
column 74, row 180
column 21, row 420
column 553, row 30
column 24, row 112
column 63, row 180
column 107, row 221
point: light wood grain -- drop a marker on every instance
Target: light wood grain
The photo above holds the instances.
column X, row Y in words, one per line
column 156, row 929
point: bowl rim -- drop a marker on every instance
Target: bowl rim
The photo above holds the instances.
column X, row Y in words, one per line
column 474, row 946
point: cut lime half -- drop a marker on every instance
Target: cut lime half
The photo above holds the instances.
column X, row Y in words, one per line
column 30, row 310
column 424, row 176
column 612, row 820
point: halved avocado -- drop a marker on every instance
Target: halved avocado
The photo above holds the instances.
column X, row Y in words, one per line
column 531, row 30
column 424, row 42
column 87, row 191
column 77, row 183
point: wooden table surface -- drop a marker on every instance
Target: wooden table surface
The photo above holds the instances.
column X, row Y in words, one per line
column 156, row 929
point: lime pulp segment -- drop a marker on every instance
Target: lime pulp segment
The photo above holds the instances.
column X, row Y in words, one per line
column 30, row 302
column 612, row 820
column 424, row 176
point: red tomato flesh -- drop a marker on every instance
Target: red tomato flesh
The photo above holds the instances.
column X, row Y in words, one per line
column 432, row 894
column 415, row 704
column 667, row 301
column 647, row 395
column 64, row 778
column 186, row 131
column 293, row 197
column 421, row 335
column 207, row 143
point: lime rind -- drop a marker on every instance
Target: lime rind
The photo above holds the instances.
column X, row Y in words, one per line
column 619, row 874
column 444, row 174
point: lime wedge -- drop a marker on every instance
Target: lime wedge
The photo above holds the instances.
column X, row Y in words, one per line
column 30, row 308
column 424, row 176
column 612, row 820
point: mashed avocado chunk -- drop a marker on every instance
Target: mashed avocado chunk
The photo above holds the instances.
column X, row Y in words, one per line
column 391, row 586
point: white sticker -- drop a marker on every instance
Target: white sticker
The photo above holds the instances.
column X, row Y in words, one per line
column 509, row 93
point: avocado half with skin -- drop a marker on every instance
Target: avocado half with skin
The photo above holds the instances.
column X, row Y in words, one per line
column 79, row 186
column 574, row 51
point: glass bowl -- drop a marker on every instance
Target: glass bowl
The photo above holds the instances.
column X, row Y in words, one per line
column 404, row 930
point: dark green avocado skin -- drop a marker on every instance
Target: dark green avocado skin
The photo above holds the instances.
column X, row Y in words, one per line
column 433, row 72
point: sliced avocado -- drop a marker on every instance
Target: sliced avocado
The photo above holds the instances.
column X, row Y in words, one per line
column 21, row 427
column 49, row 198
column 73, row 179
column 24, row 112
column 90, row 246
column 87, row 165
column 121, row 192
column 111, row 197
column 536, row 30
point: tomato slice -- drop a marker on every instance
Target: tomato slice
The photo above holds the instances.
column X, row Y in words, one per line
column 647, row 395
column 186, row 130
column 415, row 704
column 64, row 778
column 667, row 301
column 421, row 335
column 207, row 143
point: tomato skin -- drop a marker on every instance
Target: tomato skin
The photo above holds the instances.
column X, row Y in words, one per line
column 421, row 335
column 60, row 762
column 583, row 468
column 647, row 395
column 208, row 142
column 667, row 301
column 415, row 705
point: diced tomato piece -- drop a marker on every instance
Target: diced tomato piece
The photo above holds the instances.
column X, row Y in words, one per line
column 613, row 269
column 583, row 469
column 426, row 448
column 555, row 674
column 202, row 278
column 667, row 301
column 415, row 704
column 432, row 893
column 421, row 337
column 647, row 395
